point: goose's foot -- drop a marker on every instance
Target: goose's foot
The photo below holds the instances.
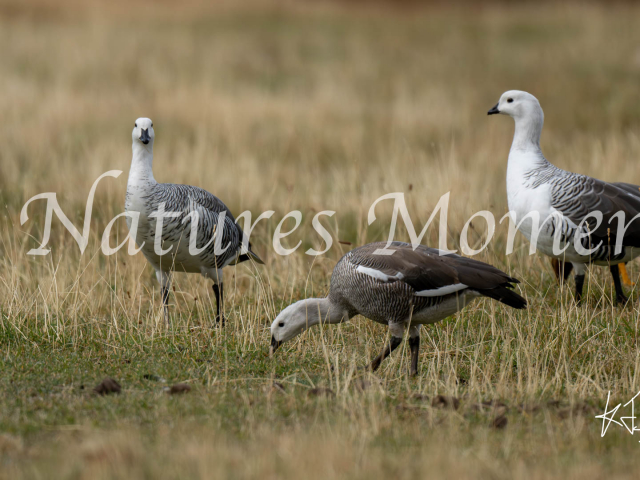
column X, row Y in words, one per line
column 368, row 368
column 221, row 321
column 621, row 299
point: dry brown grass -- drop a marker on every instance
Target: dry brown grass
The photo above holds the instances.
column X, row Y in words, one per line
column 312, row 107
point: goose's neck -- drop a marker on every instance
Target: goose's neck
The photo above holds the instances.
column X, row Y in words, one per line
column 322, row 310
column 526, row 137
column 141, row 164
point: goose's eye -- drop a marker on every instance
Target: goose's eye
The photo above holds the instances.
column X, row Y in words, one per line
column 152, row 124
column 281, row 324
column 135, row 125
column 509, row 100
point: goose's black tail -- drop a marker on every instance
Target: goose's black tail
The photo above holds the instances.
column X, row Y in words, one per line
column 249, row 256
column 505, row 294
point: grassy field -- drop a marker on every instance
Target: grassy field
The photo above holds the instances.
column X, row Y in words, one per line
column 307, row 106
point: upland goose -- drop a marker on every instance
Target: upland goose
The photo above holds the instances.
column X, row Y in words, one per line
column 536, row 186
column 219, row 238
column 404, row 291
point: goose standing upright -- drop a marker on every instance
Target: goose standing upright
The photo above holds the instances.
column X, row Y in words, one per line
column 219, row 239
column 535, row 185
column 404, row 290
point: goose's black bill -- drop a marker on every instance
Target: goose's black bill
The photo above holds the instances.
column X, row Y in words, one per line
column 144, row 135
column 494, row 110
column 274, row 345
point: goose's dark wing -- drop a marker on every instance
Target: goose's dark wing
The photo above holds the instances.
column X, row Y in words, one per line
column 187, row 198
column 576, row 196
column 431, row 274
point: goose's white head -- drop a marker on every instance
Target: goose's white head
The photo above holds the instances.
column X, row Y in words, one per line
column 143, row 132
column 291, row 322
column 517, row 104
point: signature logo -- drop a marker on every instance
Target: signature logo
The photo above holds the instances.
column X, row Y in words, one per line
column 608, row 417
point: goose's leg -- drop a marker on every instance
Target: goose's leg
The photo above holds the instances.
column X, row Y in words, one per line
column 414, row 345
column 561, row 269
column 164, row 279
column 580, row 269
column 218, row 291
column 620, row 296
column 397, row 332
column 386, row 351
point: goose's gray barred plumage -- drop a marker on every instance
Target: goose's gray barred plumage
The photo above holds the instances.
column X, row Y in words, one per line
column 190, row 204
column 575, row 195
column 536, row 185
column 404, row 290
column 186, row 199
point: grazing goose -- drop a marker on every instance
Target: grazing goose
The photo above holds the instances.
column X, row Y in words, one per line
column 403, row 290
column 146, row 196
column 535, row 185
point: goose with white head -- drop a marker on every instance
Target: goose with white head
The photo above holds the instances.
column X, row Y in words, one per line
column 404, row 290
column 566, row 203
column 219, row 240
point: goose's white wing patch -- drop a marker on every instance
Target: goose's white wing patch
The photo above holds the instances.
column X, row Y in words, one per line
column 439, row 292
column 378, row 275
